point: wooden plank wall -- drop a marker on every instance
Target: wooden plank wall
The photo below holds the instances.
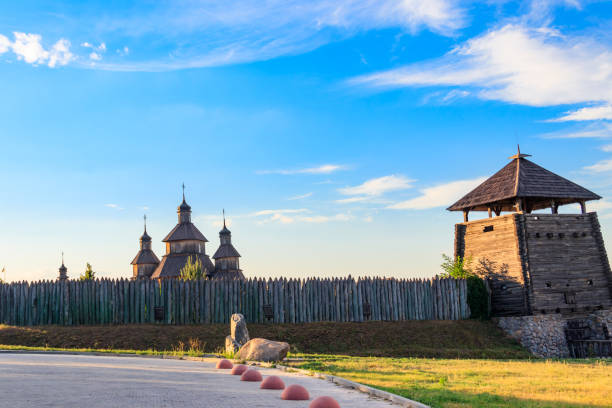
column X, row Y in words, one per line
column 566, row 255
column 496, row 240
column 213, row 301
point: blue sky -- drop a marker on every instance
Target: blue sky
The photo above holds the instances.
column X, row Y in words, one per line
column 334, row 133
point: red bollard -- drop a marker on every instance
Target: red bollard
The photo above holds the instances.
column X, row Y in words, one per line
column 239, row 369
column 324, row 402
column 295, row 392
column 224, row 364
column 272, row 382
column 251, row 375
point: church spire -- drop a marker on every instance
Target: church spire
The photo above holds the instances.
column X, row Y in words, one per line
column 184, row 210
column 63, row 271
column 145, row 239
column 145, row 261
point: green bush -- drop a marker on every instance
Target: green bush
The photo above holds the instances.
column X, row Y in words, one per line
column 89, row 274
column 458, row 268
column 192, row 270
column 477, row 298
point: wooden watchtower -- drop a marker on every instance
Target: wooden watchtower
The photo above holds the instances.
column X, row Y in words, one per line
column 535, row 262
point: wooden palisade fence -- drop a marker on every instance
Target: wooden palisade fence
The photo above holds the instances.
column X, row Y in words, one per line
column 213, row 301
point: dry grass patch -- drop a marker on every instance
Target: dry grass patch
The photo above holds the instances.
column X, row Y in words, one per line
column 444, row 339
column 478, row 383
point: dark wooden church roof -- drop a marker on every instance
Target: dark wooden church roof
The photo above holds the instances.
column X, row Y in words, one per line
column 145, row 256
column 171, row 265
column 226, row 251
column 522, row 178
column 184, row 231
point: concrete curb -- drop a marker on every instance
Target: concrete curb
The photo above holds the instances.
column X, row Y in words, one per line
column 343, row 382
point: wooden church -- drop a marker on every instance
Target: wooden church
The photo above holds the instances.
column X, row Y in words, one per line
column 184, row 242
column 535, row 262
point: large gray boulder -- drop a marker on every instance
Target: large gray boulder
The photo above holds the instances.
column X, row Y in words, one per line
column 239, row 335
column 263, row 350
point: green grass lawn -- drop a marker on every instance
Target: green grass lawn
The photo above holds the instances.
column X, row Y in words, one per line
column 453, row 383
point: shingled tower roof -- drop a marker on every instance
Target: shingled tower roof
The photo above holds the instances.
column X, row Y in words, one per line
column 523, row 179
column 184, row 230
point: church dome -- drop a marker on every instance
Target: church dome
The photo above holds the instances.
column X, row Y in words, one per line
column 184, row 206
column 145, row 237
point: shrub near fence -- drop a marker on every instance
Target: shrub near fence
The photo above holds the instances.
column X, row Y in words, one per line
column 213, row 301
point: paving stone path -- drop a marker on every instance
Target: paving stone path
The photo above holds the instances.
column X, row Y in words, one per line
column 52, row 380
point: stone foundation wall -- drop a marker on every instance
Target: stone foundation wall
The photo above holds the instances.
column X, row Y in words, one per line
column 604, row 317
column 544, row 335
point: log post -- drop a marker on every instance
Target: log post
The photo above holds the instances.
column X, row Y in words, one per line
column 583, row 207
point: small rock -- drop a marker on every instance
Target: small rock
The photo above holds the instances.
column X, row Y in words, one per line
column 231, row 346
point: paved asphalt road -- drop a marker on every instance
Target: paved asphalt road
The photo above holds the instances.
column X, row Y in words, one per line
column 52, row 380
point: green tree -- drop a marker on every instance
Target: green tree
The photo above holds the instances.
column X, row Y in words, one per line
column 192, row 269
column 477, row 295
column 89, row 274
column 458, row 268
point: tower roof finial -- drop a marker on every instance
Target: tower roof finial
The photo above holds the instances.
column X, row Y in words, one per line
column 519, row 155
column 62, row 258
column 145, row 222
column 224, row 218
column 183, row 191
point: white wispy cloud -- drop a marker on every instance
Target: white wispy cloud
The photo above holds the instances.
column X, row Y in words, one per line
column 60, row 53
column 518, row 64
column 289, row 216
column 97, row 51
column 600, row 167
column 595, row 130
column 300, row 197
column 600, row 205
column 114, row 206
column 281, row 211
column 28, row 47
column 319, row 219
column 5, row 44
column 375, row 188
column 607, row 148
column 588, row 113
column 439, row 196
column 357, row 199
column 323, row 169
column 170, row 34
